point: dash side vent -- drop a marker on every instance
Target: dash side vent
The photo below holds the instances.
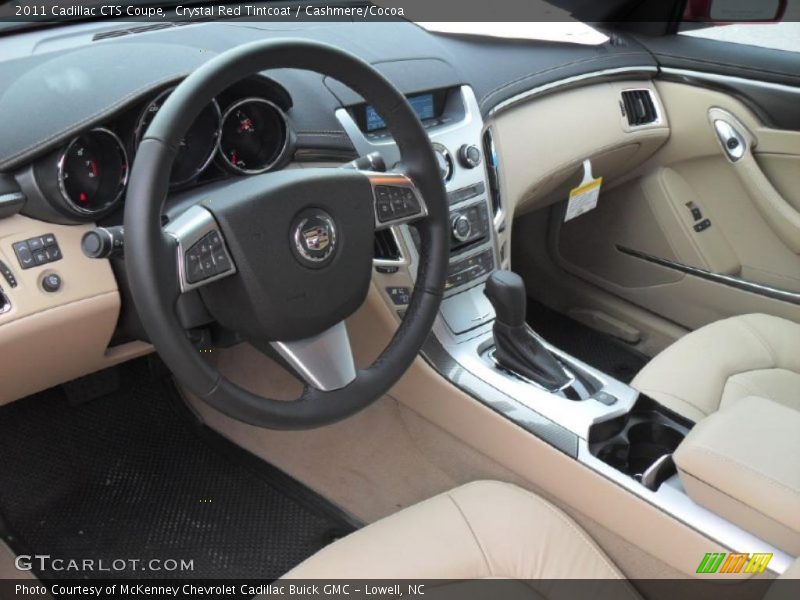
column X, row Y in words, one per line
column 386, row 247
column 639, row 107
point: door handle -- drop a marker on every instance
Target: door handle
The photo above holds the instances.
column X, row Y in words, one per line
column 733, row 142
column 737, row 143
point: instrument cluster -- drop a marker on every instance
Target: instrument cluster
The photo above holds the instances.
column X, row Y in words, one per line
column 244, row 131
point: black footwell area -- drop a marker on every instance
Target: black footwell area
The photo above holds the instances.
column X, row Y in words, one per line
column 132, row 475
column 603, row 352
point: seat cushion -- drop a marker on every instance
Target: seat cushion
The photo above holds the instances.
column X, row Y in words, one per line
column 479, row 530
column 721, row 363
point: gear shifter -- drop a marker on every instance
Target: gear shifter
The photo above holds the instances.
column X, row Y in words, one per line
column 516, row 347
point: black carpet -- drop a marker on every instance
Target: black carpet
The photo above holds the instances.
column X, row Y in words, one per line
column 603, row 352
column 132, row 475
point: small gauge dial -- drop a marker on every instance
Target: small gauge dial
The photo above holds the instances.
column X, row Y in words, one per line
column 253, row 137
column 93, row 171
column 196, row 148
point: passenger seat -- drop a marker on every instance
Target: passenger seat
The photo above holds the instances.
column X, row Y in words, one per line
column 724, row 362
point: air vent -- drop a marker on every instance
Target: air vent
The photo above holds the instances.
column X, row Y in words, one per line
column 639, row 107
column 493, row 171
column 386, row 247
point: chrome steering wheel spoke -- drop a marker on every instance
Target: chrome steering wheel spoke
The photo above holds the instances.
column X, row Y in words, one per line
column 324, row 361
column 396, row 199
column 202, row 254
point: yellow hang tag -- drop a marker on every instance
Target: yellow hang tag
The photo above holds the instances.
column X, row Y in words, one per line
column 584, row 198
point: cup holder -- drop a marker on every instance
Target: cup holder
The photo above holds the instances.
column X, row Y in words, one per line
column 640, row 444
column 647, row 443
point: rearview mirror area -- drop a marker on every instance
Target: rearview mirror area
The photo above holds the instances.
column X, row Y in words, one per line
column 734, row 11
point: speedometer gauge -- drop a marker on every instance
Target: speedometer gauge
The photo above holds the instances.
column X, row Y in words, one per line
column 254, row 136
column 93, row 171
column 198, row 145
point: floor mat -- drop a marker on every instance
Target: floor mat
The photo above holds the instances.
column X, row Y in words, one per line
column 133, row 475
column 603, row 352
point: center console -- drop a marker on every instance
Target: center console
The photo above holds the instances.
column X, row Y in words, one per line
column 599, row 421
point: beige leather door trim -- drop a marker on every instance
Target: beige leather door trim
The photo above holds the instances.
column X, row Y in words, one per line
column 781, row 216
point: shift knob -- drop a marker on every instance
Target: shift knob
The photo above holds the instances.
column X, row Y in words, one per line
column 506, row 292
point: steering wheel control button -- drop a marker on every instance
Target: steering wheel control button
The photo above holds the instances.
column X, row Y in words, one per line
column 396, row 198
column 469, row 156
column 37, row 251
column 314, row 238
column 51, row 283
column 401, row 296
column 8, row 275
column 206, row 258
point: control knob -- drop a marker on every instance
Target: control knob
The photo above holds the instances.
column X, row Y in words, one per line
column 469, row 155
column 461, row 228
column 104, row 242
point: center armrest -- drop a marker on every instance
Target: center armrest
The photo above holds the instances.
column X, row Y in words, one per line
column 743, row 463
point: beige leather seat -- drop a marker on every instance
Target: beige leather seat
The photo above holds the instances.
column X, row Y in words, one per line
column 721, row 363
column 485, row 529
column 482, row 530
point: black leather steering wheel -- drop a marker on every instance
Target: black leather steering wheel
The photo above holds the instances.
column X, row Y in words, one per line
column 283, row 258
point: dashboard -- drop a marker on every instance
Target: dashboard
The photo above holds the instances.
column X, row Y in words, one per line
column 75, row 108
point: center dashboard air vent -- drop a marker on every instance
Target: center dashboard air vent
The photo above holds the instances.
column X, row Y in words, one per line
column 639, row 107
column 386, row 247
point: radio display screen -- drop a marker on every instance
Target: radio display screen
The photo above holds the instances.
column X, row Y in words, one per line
column 422, row 104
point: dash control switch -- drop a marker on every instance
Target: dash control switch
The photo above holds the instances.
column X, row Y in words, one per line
column 37, row 251
column 400, row 296
column 51, row 283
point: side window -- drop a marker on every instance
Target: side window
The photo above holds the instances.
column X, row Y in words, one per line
column 771, row 24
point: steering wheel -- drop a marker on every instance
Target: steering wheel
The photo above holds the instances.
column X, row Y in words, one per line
column 283, row 258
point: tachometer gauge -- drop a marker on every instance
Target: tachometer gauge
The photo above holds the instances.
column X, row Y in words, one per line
column 93, row 171
column 254, row 136
column 198, row 145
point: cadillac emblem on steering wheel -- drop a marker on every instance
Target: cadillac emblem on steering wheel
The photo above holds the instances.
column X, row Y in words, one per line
column 314, row 237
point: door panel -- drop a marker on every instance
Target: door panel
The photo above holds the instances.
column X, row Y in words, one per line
column 747, row 227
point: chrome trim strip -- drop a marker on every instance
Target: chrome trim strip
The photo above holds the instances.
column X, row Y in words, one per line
column 734, row 282
column 575, row 80
column 325, row 361
column 729, row 79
